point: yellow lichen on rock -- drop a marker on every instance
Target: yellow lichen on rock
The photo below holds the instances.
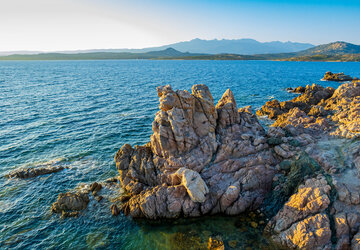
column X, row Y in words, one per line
column 309, row 233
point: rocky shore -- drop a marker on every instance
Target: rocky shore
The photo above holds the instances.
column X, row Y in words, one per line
column 302, row 173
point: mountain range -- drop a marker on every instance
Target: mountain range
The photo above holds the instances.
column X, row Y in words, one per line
column 234, row 46
column 337, row 51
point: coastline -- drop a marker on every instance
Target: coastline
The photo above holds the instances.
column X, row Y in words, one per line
column 187, row 169
column 95, row 205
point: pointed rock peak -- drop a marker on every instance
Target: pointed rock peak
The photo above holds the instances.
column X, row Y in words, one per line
column 202, row 91
column 228, row 97
column 167, row 98
column 163, row 89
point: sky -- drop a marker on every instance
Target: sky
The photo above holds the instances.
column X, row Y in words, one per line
column 55, row 25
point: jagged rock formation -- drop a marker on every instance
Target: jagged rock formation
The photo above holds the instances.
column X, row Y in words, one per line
column 336, row 77
column 319, row 109
column 202, row 159
column 312, row 95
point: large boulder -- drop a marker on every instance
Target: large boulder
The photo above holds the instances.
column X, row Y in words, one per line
column 69, row 204
column 194, row 184
column 201, row 159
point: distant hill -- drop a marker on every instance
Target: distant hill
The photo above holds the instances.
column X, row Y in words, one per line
column 338, row 51
column 325, row 58
column 235, row 46
column 336, row 48
column 163, row 54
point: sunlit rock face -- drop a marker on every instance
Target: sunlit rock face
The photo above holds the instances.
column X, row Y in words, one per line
column 316, row 134
column 311, row 95
column 302, row 222
column 201, row 159
column 336, row 112
column 336, row 77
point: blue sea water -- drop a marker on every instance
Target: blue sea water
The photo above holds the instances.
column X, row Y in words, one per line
column 79, row 113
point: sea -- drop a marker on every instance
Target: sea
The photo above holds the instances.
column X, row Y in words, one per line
column 79, row 113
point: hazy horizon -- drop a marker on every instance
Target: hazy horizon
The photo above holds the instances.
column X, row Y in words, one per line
column 54, row 25
column 160, row 45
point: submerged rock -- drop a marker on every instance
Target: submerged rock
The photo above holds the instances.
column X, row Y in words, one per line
column 25, row 173
column 216, row 244
column 115, row 210
column 201, row 159
column 337, row 77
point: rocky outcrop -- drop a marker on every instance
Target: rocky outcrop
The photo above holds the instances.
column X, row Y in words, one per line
column 201, row 159
column 207, row 159
column 311, row 95
column 24, row 173
column 319, row 109
column 336, row 77
column 69, row 204
column 324, row 212
column 345, row 106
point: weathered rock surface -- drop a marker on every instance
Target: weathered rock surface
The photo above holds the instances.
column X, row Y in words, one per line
column 337, row 77
column 313, row 123
column 194, row 184
column 355, row 244
column 311, row 233
column 319, row 109
column 302, row 223
column 24, row 173
column 311, row 95
column 310, row 199
column 202, row 159
column 69, row 204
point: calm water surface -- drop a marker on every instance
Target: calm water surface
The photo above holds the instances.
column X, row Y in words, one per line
column 79, row 113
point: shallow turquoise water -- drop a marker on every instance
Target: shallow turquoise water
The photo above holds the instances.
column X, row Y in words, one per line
column 79, row 113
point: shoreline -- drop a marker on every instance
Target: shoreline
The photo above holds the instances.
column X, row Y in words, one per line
column 292, row 153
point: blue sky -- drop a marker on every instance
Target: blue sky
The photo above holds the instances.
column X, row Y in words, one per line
column 85, row 24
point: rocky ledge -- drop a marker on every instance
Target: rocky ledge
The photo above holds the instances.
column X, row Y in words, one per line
column 337, row 77
column 303, row 173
